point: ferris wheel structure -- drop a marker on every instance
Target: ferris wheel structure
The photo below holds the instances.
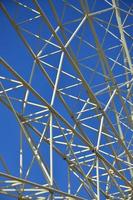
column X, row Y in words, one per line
column 66, row 100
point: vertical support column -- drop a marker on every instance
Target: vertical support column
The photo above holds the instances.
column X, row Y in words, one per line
column 97, row 159
column 21, row 154
column 51, row 117
column 98, row 142
column 53, row 97
column 23, row 110
column 69, row 181
column 98, row 184
column 51, row 149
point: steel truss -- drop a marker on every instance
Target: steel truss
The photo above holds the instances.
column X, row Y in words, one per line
column 78, row 120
